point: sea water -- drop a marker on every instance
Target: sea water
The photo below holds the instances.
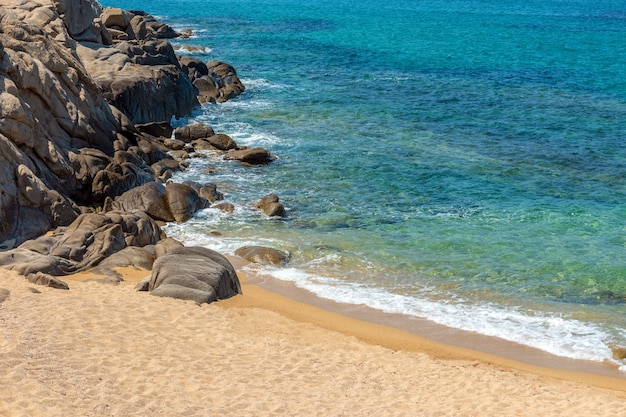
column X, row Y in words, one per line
column 460, row 161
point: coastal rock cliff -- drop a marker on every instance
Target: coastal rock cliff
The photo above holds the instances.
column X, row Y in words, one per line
column 68, row 101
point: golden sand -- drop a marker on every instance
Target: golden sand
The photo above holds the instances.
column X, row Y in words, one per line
column 101, row 349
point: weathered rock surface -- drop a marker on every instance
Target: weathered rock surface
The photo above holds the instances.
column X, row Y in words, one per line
column 133, row 24
column 171, row 202
column 262, row 255
column 83, row 244
column 86, row 96
column 194, row 273
column 183, row 201
column 39, row 278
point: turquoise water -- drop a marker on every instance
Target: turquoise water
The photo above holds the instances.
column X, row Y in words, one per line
column 462, row 161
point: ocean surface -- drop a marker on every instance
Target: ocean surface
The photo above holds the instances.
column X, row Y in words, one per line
column 460, row 161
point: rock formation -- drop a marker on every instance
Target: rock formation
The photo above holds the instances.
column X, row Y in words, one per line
column 86, row 96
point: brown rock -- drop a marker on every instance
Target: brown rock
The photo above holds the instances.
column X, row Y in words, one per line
column 192, row 132
column 149, row 198
column 251, row 156
column 271, row 206
column 183, row 201
column 39, row 278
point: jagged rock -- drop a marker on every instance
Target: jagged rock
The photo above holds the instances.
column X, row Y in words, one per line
column 194, row 273
column 262, row 255
column 271, row 206
column 251, row 156
column 40, row 278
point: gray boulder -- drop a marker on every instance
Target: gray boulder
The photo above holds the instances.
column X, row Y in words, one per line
column 194, row 273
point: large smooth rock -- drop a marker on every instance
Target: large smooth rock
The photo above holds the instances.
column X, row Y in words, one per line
column 194, row 273
column 192, row 132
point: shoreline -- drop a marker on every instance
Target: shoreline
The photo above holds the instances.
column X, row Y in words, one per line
column 398, row 332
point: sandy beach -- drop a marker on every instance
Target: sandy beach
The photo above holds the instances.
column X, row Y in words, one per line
column 100, row 349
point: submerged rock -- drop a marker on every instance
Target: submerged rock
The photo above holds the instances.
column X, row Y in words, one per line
column 262, row 255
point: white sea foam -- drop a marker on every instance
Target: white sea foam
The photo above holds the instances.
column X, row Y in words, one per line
column 262, row 84
column 181, row 49
column 557, row 335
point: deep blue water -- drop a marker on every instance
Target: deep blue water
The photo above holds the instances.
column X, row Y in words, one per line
column 462, row 161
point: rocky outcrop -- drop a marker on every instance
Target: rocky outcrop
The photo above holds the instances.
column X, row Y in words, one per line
column 49, row 108
column 216, row 81
column 83, row 244
column 141, row 78
column 86, row 96
column 62, row 144
column 126, row 25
